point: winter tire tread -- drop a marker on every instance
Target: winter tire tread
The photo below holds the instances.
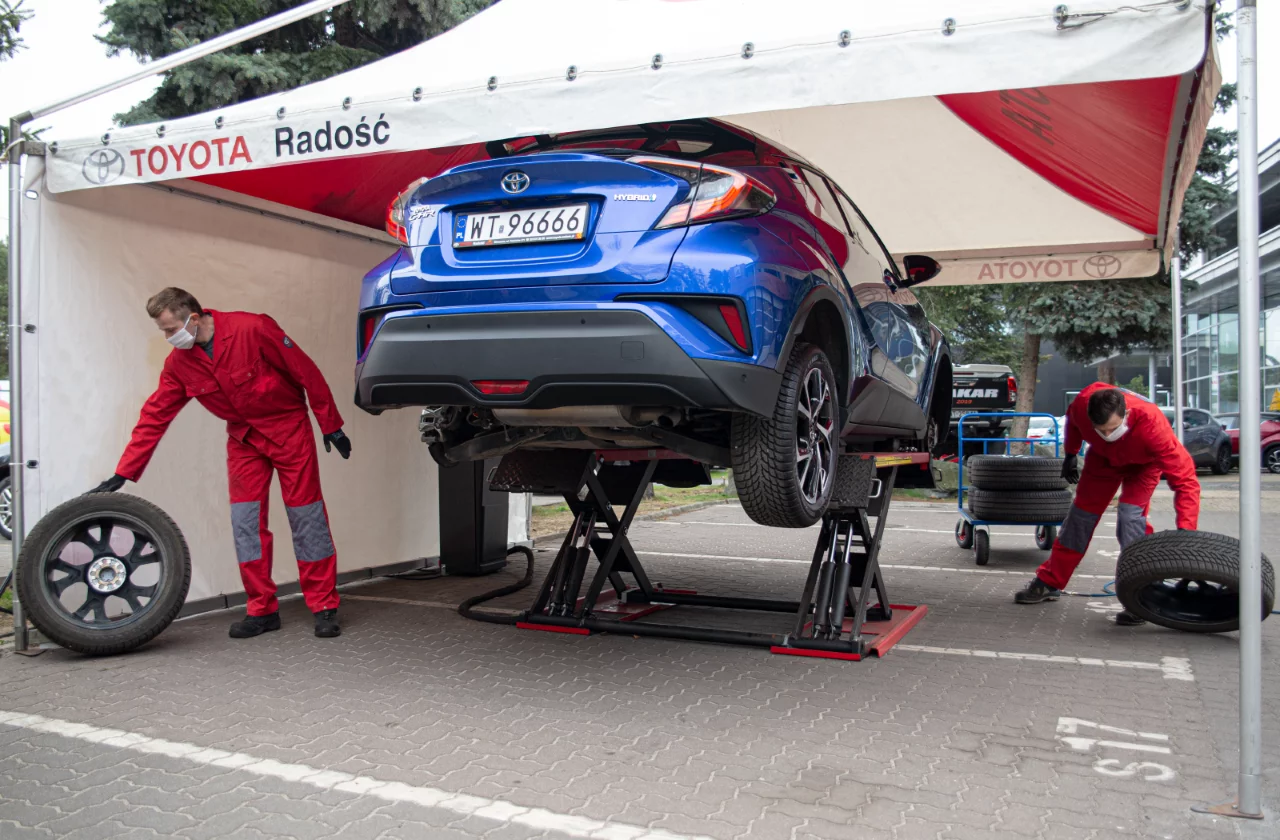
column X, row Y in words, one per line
column 997, row 472
column 1020, row 505
column 763, row 450
column 1176, row 555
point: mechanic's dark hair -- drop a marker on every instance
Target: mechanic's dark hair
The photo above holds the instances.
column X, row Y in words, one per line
column 180, row 302
column 1106, row 404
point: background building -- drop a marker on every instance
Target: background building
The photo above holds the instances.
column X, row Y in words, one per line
column 1211, row 315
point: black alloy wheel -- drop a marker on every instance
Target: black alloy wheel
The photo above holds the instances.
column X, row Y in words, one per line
column 1271, row 459
column 815, row 437
column 104, row 573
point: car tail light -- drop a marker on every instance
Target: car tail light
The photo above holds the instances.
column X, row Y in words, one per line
column 717, row 192
column 1013, row 390
column 500, row 387
column 395, row 212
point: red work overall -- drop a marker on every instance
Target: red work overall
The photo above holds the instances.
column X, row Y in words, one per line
column 259, row 382
column 1133, row 465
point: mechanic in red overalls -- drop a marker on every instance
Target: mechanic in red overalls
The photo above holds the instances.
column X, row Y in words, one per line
column 246, row 371
column 1131, row 445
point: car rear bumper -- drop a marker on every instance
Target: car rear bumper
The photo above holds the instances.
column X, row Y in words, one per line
column 588, row 357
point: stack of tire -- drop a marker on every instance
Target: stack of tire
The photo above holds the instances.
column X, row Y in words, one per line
column 1013, row 490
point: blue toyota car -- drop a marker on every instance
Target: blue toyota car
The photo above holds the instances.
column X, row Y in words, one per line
column 687, row 286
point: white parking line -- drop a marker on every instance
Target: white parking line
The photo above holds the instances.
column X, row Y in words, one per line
column 1173, row 667
column 428, row 797
column 1019, row 573
column 1024, row 533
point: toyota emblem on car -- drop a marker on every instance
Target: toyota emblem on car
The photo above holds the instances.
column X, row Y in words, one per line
column 515, row 182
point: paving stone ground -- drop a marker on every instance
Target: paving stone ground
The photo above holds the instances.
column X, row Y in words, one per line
column 648, row 734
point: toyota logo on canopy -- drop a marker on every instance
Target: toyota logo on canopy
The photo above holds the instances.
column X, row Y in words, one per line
column 515, row 182
column 103, row 166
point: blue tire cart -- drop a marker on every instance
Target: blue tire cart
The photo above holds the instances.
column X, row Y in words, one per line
column 971, row 532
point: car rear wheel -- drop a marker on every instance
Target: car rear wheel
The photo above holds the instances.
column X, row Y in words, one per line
column 1222, row 461
column 784, row 465
column 1271, row 459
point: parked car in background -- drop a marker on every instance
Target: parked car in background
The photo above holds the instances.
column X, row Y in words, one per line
column 1205, row 439
column 6, row 494
column 1270, row 438
column 686, row 286
column 1045, row 429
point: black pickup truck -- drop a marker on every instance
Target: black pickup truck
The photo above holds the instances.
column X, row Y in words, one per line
column 986, row 389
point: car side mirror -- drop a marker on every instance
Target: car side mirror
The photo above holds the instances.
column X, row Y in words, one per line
column 920, row 269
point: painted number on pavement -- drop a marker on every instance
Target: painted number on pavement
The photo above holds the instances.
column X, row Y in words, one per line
column 1151, row 743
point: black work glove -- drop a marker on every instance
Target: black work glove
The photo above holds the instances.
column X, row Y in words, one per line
column 1071, row 469
column 111, row 485
column 341, row 441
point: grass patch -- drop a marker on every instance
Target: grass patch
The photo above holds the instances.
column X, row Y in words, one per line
column 6, row 600
column 555, row 519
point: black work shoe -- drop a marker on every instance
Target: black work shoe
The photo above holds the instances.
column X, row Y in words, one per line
column 1036, row 592
column 255, row 625
column 327, row 624
column 1128, row 619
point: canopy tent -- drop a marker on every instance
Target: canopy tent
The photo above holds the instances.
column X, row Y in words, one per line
column 1012, row 142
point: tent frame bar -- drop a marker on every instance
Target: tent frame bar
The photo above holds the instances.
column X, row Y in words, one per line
column 14, row 153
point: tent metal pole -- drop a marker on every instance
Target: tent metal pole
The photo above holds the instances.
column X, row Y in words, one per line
column 16, row 464
column 1175, row 274
column 1250, row 783
column 190, row 54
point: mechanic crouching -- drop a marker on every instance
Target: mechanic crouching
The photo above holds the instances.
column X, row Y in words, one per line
column 246, row 371
column 1131, row 445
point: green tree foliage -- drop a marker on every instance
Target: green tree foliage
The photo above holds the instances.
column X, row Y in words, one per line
column 321, row 46
column 12, row 16
column 975, row 320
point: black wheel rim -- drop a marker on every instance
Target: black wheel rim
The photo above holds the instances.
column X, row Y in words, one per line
column 1224, row 459
column 103, row 571
column 815, row 436
column 1190, row 601
column 1273, row 460
column 6, row 507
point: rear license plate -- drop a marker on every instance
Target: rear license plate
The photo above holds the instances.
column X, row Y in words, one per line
column 520, row 227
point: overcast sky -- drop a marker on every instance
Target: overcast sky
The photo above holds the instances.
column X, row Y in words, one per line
column 63, row 59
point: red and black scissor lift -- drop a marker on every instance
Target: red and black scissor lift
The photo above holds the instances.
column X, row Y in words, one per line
column 844, row 611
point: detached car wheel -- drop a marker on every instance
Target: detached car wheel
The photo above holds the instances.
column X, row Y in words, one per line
column 1020, row 505
column 997, row 472
column 1187, row 580
column 104, row 573
column 784, row 465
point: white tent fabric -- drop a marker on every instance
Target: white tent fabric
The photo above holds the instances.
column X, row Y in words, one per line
column 853, row 86
column 990, row 134
column 91, row 260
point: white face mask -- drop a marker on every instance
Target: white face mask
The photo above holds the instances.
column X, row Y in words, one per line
column 1117, row 433
column 182, row 339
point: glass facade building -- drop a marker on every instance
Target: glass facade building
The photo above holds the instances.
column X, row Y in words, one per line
column 1211, row 315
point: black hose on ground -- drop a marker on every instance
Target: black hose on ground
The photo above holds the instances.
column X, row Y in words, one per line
column 465, row 608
